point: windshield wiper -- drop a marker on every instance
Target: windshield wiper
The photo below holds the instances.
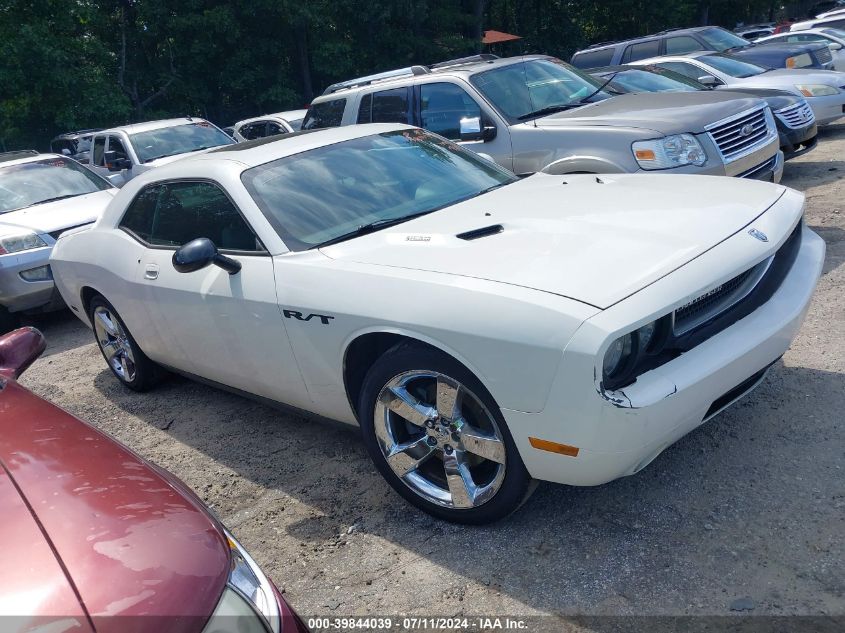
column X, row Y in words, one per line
column 599, row 89
column 371, row 227
column 549, row 110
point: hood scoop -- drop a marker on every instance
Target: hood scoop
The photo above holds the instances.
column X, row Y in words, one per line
column 477, row 234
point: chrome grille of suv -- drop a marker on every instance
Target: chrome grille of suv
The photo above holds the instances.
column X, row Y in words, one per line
column 742, row 134
column 796, row 116
column 703, row 308
column 824, row 55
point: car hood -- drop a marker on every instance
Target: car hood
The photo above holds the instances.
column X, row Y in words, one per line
column 788, row 77
column 166, row 160
column 54, row 216
column 596, row 239
column 777, row 99
column 130, row 537
column 664, row 112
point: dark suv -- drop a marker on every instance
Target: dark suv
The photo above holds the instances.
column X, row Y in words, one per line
column 704, row 38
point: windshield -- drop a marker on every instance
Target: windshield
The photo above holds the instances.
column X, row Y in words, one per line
column 658, row 80
column 27, row 184
column 838, row 33
column 731, row 66
column 177, row 139
column 721, row 40
column 536, row 87
column 325, row 193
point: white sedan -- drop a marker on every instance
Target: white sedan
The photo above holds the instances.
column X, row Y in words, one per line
column 824, row 89
column 484, row 331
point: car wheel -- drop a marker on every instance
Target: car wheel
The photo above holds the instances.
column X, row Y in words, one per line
column 123, row 356
column 8, row 321
column 438, row 437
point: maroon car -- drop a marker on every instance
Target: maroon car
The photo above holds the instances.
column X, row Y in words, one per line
column 94, row 538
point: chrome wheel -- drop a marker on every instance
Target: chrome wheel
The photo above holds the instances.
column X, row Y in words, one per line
column 114, row 343
column 439, row 439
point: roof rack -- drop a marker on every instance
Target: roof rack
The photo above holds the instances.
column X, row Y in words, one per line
column 407, row 72
column 600, row 44
column 483, row 57
column 14, row 155
column 369, row 79
column 677, row 28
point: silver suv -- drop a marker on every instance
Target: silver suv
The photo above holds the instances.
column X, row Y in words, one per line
column 537, row 113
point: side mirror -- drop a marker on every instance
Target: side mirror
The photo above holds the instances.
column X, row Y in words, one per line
column 708, row 80
column 835, row 46
column 199, row 253
column 116, row 161
column 475, row 129
column 66, row 151
column 19, row 349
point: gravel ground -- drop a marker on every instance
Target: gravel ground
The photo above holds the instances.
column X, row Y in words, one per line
column 744, row 513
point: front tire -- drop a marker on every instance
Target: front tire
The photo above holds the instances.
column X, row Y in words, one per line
column 123, row 356
column 438, row 437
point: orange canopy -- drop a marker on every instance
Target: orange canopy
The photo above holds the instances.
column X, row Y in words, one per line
column 495, row 37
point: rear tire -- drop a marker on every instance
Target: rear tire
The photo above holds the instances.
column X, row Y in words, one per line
column 439, row 439
column 123, row 356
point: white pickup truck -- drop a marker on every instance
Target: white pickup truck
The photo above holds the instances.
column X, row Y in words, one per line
column 122, row 153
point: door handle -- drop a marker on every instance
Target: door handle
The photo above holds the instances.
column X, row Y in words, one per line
column 151, row 271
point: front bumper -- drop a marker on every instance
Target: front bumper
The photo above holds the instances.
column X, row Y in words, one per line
column 17, row 294
column 828, row 109
column 618, row 436
column 795, row 143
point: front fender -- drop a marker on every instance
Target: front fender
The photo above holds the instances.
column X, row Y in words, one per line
column 583, row 165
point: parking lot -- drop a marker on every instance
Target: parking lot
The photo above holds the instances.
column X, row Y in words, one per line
column 743, row 515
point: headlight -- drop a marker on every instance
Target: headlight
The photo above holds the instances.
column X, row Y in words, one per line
column 22, row 242
column 816, row 90
column 248, row 595
column 799, row 61
column 672, row 151
column 629, row 355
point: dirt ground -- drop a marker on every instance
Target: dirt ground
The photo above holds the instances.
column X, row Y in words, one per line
column 749, row 506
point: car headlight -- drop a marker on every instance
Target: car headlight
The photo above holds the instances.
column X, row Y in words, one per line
column 799, row 61
column 248, row 604
column 629, row 355
column 816, row 90
column 672, row 151
column 22, row 242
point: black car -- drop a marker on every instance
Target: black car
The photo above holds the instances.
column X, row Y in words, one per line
column 794, row 117
column 704, row 38
column 76, row 145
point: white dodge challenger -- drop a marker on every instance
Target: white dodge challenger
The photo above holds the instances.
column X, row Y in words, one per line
column 483, row 331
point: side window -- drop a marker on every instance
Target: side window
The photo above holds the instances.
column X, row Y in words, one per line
column 274, row 129
column 99, row 150
column 174, row 213
column 116, row 145
column 443, row 106
column 325, row 114
column 682, row 44
column 688, row 70
column 643, row 50
column 252, row 131
column 391, row 106
column 594, row 59
column 365, row 110
column 139, row 217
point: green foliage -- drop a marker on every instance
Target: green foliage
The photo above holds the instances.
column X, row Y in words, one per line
column 68, row 64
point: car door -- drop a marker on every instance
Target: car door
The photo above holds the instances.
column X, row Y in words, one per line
column 115, row 144
column 221, row 327
column 98, row 156
column 442, row 106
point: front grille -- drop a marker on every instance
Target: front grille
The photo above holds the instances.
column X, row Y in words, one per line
column 742, row 134
column 714, row 302
column 763, row 169
column 797, row 116
column 824, row 55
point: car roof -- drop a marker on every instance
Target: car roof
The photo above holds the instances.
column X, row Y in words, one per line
column 77, row 134
column 7, row 159
column 463, row 66
column 644, row 38
column 270, row 148
column 148, row 126
column 287, row 115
